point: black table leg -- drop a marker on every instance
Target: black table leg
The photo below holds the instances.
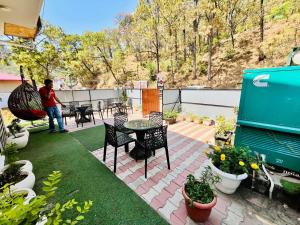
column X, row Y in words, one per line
column 138, row 152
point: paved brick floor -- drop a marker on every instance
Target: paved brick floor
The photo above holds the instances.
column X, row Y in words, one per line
column 162, row 189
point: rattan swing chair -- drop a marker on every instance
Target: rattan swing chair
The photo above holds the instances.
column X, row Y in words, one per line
column 25, row 102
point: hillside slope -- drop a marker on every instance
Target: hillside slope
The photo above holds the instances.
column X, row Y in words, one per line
column 228, row 64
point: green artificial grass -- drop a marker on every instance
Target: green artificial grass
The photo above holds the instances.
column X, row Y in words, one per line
column 85, row 178
column 91, row 138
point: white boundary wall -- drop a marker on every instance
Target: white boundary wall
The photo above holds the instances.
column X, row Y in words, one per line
column 211, row 103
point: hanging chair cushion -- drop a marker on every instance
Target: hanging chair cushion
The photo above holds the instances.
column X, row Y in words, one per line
column 25, row 103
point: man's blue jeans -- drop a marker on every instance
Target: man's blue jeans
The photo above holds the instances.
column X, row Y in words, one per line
column 54, row 112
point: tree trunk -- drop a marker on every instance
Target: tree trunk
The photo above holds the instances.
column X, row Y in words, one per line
column 261, row 23
column 157, row 51
column 232, row 37
column 194, row 56
column 176, row 50
column 210, row 43
column 184, row 45
column 199, row 43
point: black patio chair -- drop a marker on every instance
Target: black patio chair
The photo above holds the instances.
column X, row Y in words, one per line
column 116, row 139
column 68, row 111
column 109, row 105
column 89, row 111
column 121, row 108
column 156, row 117
column 119, row 120
column 156, row 138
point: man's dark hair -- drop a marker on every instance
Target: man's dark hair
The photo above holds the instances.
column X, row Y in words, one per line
column 48, row 81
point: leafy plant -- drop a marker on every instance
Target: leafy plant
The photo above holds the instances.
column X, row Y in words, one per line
column 200, row 190
column 14, row 210
column 223, row 126
column 191, row 117
column 170, row 115
column 234, row 160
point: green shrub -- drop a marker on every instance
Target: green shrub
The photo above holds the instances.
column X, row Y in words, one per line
column 200, row 190
column 223, row 126
column 170, row 114
column 14, row 210
column 230, row 53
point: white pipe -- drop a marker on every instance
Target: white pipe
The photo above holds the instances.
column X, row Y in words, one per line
column 263, row 157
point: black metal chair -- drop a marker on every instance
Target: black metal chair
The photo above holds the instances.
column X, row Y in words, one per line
column 119, row 120
column 156, row 138
column 156, row 117
column 121, row 108
column 68, row 111
column 108, row 103
column 89, row 111
column 116, row 139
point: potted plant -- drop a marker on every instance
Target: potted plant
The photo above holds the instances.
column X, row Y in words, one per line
column 224, row 131
column 232, row 165
column 42, row 209
column 12, row 172
column 199, row 196
column 170, row 116
column 191, row 117
column 15, row 128
column 19, row 139
column 207, row 121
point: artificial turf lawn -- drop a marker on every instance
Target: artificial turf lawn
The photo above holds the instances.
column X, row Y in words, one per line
column 91, row 138
column 85, row 178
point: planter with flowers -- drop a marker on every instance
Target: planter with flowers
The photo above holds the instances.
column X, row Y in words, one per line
column 232, row 165
column 199, row 196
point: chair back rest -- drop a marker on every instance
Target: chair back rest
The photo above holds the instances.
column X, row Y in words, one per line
column 156, row 138
column 156, row 117
column 74, row 103
column 90, row 106
column 119, row 119
column 110, row 134
column 121, row 108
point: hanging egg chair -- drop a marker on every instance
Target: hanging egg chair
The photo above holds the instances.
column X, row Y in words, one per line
column 25, row 102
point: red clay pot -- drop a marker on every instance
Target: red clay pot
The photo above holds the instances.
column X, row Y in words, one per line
column 199, row 212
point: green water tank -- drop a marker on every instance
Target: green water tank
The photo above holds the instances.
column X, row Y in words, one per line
column 269, row 115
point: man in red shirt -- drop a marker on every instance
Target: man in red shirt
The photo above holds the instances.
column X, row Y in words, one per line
column 48, row 100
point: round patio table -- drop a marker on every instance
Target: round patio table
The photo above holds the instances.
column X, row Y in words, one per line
column 83, row 118
column 140, row 127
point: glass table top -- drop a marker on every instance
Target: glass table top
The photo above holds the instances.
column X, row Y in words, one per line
column 140, row 124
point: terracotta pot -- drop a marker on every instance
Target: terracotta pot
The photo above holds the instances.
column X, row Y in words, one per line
column 198, row 212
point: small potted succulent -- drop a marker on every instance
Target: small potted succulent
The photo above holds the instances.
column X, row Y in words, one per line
column 232, row 165
column 170, row 116
column 199, row 196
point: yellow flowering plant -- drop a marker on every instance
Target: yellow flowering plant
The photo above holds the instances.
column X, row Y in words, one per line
column 234, row 160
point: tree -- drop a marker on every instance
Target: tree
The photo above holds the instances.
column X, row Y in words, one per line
column 41, row 60
column 211, row 11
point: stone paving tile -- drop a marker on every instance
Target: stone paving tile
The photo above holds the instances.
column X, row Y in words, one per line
column 162, row 189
